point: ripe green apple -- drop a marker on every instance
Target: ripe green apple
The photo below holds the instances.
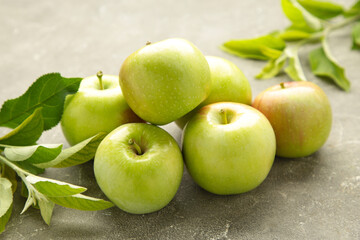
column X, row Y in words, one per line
column 228, row 148
column 163, row 81
column 300, row 114
column 228, row 85
column 98, row 106
column 139, row 167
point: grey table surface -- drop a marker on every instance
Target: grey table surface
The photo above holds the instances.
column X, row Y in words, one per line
column 316, row 197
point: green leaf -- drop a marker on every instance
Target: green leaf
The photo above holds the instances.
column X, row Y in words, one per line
column 354, row 10
column 299, row 17
column 77, row 154
column 294, row 69
column 46, row 209
column 29, row 167
column 322, row 9
column 49, row 92
column 324, row 65
column 262, row 48
column 27, row 133
column 30, row 201
column 356, row 36
column 6, row 195
column 5, row 218
column 33, row 154
column 10, row 174
column 82, row 202
column 24, row 192
column 272, row 68
column 270, row 52
column 294, row 35
column 54, row 188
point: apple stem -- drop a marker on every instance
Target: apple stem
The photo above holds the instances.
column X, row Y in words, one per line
column 99, row 75
column 282, row 85
column 224, row 117
column 148, row 43
column 136, row 146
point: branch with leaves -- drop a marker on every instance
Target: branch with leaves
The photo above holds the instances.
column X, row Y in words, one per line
column 311, row 22
column 39, row 109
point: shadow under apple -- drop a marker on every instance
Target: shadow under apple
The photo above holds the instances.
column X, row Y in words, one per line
column 254, row 212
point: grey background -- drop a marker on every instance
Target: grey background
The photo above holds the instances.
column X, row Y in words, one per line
column 316, row 197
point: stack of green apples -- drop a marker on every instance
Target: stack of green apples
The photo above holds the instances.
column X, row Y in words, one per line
column 228, row 146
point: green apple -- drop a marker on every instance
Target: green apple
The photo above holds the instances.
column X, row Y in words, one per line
column 300, row 114
column 163, row 81
column 228, row 148
column 139, row 167
column 98, row 106
column 228, row 85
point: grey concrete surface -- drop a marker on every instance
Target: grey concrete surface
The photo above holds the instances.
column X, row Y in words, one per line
column 317, row 197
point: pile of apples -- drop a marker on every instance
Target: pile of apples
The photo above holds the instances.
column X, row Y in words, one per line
column 228, row 146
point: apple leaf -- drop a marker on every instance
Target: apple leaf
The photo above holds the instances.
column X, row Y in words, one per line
column 24, row 191
column 5, row 218
column 27, row 133
column 43, row 193
column 323, row 64
column 6, row 195
column 54, row 188
column 82, row 202
column 33, row 154
column 272, row 68
column 356, row 36
column 322, row 9
column 294, row 69
column 291, row 34
column 10, row 174
column 49, row 92
column 46, row 209
column 354, row 10
column 261, row 48
column 30, row 201
column 311, row 21
column 75, row 155
column 299, row 16
column 29, row 167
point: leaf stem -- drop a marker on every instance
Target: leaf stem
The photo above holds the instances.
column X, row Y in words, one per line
column 99, row 75
column 223, row 115
column 34, row 195
column 344, row 22
column 14, row 167
column 315, row 37
column 136, row 146
column 21, row 173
